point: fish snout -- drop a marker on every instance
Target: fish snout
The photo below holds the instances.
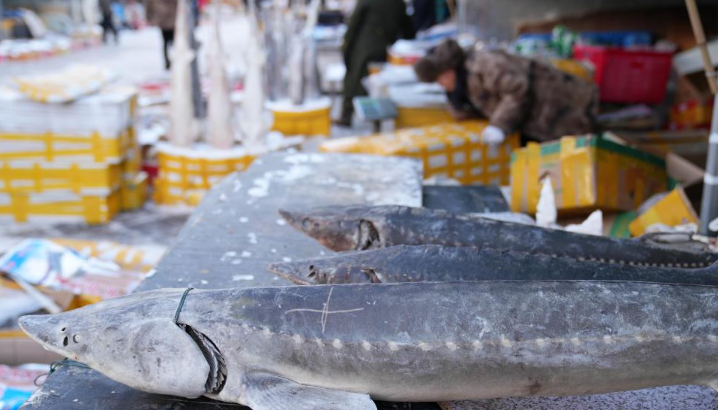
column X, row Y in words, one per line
column 44, row 330
column 289, row 270
column 293, row 218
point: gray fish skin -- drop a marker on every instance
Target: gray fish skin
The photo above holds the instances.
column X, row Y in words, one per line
column 436, row 263
column 404, row 342
column 355, row 228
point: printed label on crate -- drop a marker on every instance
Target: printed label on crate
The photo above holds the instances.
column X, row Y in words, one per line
column 451, row 150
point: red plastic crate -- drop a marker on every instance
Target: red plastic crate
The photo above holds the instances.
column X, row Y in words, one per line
column 628, row 76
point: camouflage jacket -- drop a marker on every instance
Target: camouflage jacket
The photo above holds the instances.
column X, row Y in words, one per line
column 529, row 95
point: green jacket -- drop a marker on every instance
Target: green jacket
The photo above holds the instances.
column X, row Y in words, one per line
column 373, row 27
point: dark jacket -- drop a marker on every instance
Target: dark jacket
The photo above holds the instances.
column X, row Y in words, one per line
column 529, row 95
column 106, row 8
column 373, row 27
column 428, row 13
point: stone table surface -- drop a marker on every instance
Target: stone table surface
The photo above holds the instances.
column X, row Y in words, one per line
column 231, row 237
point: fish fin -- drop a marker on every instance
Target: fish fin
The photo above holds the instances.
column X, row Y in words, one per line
column 713, row 384
column 269, row 392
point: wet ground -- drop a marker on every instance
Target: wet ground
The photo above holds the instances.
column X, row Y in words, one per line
column 151, row 226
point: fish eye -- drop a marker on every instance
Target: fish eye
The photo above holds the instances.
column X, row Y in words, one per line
column 76, row 338
column 65, row 341
column 306, row 223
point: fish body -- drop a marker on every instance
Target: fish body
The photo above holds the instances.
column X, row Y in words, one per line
column 436, row 263
column 334, row 347
column 347, row 228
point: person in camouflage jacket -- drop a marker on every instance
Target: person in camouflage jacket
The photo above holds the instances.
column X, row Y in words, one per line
column 515, row 93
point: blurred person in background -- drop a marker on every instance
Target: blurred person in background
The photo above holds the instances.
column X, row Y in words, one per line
column 428, row 13
column 118, row 11
column 135, row 14
column 373, row 27
column 515, row 93
column 163, row 14
column 108, row 21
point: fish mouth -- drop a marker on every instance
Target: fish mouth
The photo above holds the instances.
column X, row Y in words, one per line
column 372, row 274
column 287, row 270
column 367, row 236
column 293, row 218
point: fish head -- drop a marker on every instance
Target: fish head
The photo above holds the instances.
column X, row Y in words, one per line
column 336, row 227
column 308, row 272
column 129, row 343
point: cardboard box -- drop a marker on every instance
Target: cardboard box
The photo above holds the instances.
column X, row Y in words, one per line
column 449, row 150
column 587, row 173
column 673, row 209
column 17, row 349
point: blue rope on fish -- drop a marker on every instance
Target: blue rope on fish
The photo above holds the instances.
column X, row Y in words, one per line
column 58, row 363
column 181, row 304
column 66, row 362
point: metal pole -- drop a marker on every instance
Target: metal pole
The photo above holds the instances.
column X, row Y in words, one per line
column 709, row 205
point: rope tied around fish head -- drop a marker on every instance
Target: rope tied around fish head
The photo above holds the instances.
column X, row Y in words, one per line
column 180, row 305
column 55, row 365
column 67, row 362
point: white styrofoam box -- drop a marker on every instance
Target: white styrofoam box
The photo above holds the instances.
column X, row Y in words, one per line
column 108, row 113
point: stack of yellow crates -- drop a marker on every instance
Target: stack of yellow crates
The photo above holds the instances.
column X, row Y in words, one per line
column 186, row 174
column 450, row 150
column 309, row 119
column 74, row 161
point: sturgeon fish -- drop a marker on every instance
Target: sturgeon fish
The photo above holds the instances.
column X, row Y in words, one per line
column 347, row 228
column 337, row 347
column 436, row 263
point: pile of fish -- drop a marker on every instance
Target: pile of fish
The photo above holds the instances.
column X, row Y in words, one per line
column 494, row 309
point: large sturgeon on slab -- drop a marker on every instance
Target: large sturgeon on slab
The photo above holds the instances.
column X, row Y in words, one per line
column 436, row 263
column 347, row 228
column 334, row 347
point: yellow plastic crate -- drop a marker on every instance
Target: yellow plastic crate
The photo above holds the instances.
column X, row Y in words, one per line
column 587, row 173
column 37, row 177
column 409, row 117
column 92, row 209
column 310, row 119
column 51, row 147
column 580, row 69
column 450, row 150
column 133, row 160
column 167, row 194
column 134, row 191
column 185, row 174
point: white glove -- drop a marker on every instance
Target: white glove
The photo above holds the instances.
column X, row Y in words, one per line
column 493, row 135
